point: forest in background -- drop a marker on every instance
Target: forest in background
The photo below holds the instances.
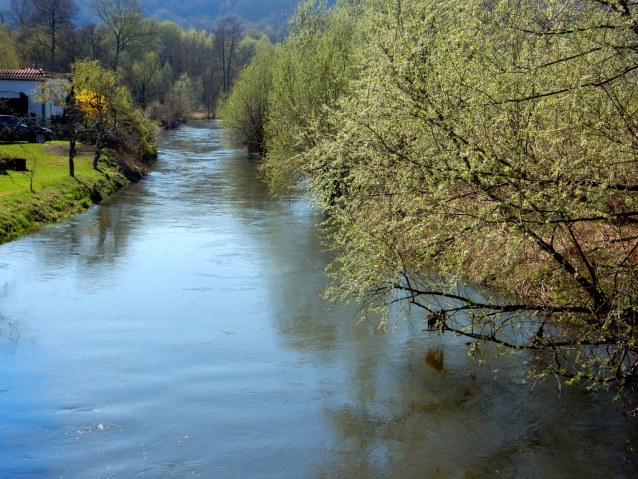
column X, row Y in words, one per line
column 170, row 71
column 475, row 160
column 201, row 14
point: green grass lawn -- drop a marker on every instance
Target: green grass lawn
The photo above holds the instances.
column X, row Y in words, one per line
column 56, row 194
column 50, row 168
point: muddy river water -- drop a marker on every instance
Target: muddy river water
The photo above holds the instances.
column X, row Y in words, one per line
column 178, row 330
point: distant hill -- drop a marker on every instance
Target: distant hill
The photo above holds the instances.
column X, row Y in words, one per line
column 270, row 12
column 203, row 13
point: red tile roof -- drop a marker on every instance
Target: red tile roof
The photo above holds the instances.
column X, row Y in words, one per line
column 28, row 74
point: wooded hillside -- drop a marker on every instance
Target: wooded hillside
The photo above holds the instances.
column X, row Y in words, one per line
column 203, row 13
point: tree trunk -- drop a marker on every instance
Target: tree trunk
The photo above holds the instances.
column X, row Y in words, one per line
column 71, row 157
column 53, row 44
column 96, row 155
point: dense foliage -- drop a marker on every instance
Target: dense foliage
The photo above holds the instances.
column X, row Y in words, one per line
column 244, row 112
column 304, row 79
column 475, row 144
column 171, row 72
column 99, row 111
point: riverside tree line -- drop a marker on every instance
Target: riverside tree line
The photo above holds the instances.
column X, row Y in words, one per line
column 169, row 71
column 125, row 69
column 476, row 161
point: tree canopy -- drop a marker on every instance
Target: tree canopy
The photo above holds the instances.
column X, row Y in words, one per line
column 154, row 59
column 477, row 162
column 244, row 112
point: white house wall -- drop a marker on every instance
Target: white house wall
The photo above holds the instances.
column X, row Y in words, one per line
column 13, row 88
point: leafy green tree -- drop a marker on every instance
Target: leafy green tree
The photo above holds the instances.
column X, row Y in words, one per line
column 248, row 47
column 170, row 38
column 142, row 75
column 71, row 125
column 312, row 70
column 493, row 143
column 124, row 20
column 179, row 104
column 244, row 112
column 198, row 61
column 8, row 52
column 102, row 113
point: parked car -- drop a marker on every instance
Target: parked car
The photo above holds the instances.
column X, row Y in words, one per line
column 13, row 128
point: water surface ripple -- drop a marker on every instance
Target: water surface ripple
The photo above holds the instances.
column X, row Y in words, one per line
column 178, row 330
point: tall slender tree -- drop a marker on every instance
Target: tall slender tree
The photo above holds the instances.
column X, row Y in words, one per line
column 124, row 20
column 51, row 18
column 227, row 33
column 17, row 13
column 142, row 75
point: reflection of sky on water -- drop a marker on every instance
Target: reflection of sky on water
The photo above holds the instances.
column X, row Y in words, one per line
column 180, row 329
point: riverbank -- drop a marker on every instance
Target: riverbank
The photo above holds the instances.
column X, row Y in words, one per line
column 198, row 277
column 45, row 193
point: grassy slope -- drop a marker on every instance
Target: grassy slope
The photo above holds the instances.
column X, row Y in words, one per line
column 57, row 195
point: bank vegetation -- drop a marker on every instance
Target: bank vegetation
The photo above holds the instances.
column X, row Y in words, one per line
column 476, row 161
column 45, row 193
column 108, row 142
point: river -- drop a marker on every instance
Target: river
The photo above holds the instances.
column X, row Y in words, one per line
column 178, row 330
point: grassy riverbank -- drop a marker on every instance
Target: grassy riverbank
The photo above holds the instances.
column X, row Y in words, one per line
column 46, row 193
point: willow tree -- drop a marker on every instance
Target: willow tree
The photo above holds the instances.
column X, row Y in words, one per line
column 312, row 70
column 244, row 111
column 494, row 143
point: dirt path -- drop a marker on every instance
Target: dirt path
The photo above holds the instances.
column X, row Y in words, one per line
column 63, row 150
